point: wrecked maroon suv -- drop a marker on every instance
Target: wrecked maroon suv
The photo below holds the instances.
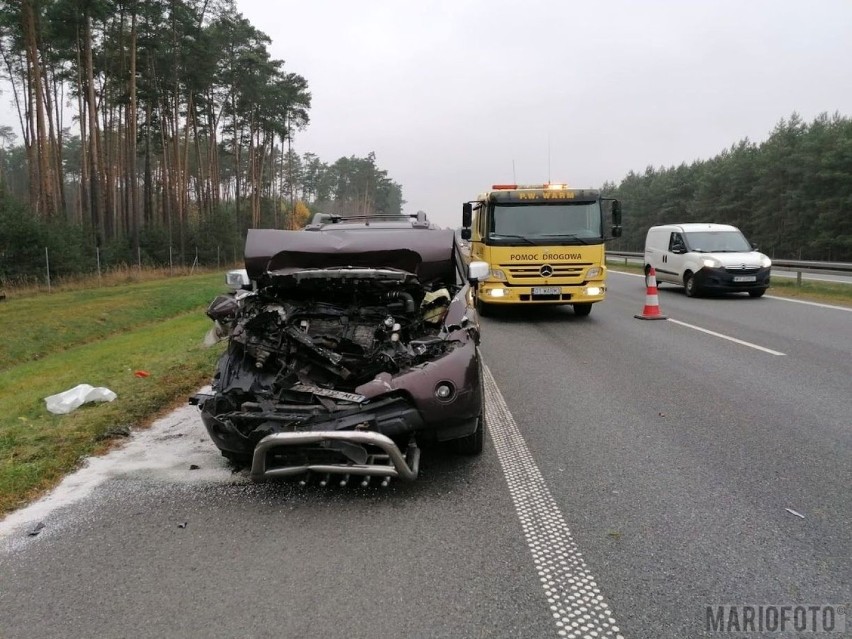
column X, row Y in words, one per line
column 354, row 340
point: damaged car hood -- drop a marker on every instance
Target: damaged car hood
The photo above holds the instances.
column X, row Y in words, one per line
column 425, row 255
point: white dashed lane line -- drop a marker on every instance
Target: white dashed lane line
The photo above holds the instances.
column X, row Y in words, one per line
column 576, row 603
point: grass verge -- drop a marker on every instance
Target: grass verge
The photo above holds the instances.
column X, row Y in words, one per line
column 827, row 292
column 38, row 448
column 100, row 337
column 40, row 325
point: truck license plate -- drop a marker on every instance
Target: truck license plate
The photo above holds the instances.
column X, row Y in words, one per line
column 745, row 278
column 547, row 290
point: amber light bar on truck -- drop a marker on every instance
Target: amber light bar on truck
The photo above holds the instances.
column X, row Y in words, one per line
column 518, row 187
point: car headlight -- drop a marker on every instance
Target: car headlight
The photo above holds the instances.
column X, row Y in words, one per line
column 593, row 272
column 497, row 274
column 711, row 262
column 765, row 262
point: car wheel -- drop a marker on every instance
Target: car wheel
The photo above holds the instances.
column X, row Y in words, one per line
column 475, row 442
column 689, row 285
column 240, row 460
column 757, row 293
column 583, row 309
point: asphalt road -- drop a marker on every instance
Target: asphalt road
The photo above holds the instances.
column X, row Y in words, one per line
column 636, row 472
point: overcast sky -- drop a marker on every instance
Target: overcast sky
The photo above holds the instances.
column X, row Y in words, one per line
column 449, row 93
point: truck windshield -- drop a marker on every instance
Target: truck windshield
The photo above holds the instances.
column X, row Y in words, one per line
column 717, row 242
column 563, row 223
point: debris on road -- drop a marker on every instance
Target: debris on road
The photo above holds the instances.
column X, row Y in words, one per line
column 68, row 401
column 194, row 466
column 793, row 512
column 35, row 530
column 183, row 525
column 142, row 374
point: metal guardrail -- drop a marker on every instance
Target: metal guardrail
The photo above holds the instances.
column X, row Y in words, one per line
column 799, row 266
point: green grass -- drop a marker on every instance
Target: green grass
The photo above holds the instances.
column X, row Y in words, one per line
column 160, row 332
column 40, row 325
column 828, row 292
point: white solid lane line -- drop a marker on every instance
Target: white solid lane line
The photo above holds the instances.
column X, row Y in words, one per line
column 576, row 603
column 727, row 337
column 790, row 299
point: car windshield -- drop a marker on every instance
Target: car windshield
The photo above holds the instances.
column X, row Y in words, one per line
column 717, row 242
column 575, row 223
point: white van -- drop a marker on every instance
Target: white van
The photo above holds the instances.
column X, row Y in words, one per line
column 706, row 257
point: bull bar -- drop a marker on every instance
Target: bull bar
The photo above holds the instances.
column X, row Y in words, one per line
column 403, row 466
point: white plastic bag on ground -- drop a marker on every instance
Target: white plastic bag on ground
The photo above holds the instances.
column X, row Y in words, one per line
column 64, row 403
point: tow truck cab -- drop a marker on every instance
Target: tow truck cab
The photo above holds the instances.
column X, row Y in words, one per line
column 544, row 244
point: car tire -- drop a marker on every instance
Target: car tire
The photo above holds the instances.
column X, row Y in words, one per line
column 582, row 309
column 757, row 293
column 239, row 460
column 473, row 443
column 689, row 285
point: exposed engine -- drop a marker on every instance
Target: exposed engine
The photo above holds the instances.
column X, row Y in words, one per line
column 327, row 331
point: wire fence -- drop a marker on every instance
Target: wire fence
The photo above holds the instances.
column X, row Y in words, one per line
column 104, row 266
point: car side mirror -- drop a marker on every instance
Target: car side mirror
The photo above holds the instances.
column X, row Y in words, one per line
column 478, row 271
column 467, row 214
column 754, row 246
column 237, row 279
column 678, row 250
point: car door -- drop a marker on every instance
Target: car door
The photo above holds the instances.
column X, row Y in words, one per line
column 674, row 259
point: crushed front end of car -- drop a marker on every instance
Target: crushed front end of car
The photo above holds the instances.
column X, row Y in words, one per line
column 342, row 369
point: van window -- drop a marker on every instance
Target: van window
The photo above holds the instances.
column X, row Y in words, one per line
column 718, row 242
column 676, row 242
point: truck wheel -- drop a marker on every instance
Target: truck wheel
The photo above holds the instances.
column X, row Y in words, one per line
column 581, row 310
column 481, row 308
column 473, row 443
column 757, row 293
column 689, row 285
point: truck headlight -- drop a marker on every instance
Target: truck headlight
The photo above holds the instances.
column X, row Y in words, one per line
column 497, row 274
column 711, row 262
column 593, row 290
column 593, row 272
column 497, row 292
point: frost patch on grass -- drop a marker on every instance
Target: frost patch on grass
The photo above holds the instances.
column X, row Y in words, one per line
column 161, row 454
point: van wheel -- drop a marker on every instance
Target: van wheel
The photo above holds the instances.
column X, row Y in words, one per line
column 757, row 293
column 583, row 309
column 647, row 275
column 689, row 285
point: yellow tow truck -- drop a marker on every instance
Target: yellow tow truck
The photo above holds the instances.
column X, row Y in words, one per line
column 544, row 244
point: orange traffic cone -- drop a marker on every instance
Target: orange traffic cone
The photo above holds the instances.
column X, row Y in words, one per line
column 652, row 301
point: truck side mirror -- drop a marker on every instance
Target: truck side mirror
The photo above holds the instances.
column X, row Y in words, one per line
column 616, row 231
column 616, row 215
column 467, row 215
column 465, row 234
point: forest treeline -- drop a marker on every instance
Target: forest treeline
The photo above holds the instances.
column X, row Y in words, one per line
column 151, row 130
column 791, row 194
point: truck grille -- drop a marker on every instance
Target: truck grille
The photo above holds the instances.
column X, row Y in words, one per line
column 533, row 271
